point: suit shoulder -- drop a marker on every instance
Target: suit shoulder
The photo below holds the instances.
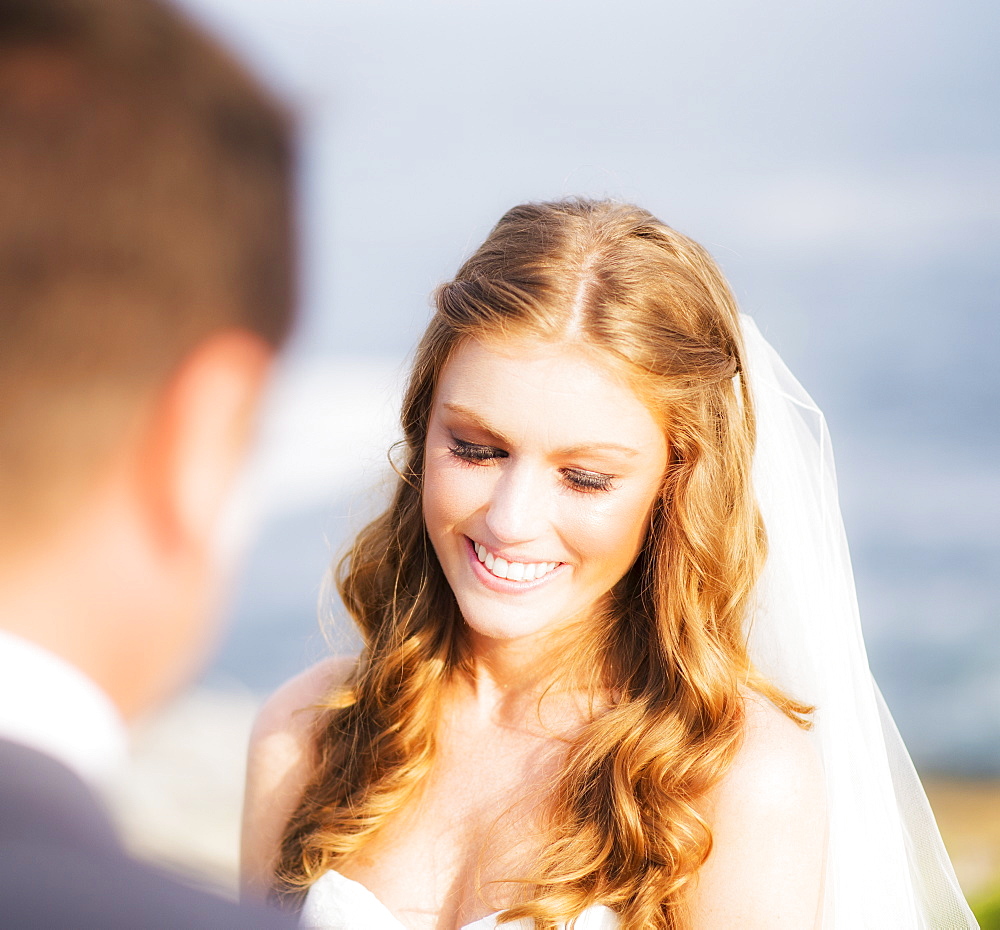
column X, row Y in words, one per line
column 50, row 885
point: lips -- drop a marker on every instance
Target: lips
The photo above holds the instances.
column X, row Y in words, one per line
column 512, row 571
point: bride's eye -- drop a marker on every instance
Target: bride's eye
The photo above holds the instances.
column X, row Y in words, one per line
column 588, row 480
column 475, row 453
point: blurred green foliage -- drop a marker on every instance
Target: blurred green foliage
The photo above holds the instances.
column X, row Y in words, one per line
column 987, row 910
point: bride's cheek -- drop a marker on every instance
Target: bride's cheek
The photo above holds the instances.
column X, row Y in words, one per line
column 452, row 491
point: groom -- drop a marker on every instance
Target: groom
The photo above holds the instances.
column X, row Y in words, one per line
column 146, row 281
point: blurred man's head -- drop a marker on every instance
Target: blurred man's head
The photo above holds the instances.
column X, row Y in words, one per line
column 146, row 277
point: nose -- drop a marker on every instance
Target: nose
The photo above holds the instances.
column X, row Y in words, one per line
column 516, row 511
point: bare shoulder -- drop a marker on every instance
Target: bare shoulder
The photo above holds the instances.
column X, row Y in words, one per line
column 769, row 828
column 280, row 763
column 777, row 765
column 288, row 713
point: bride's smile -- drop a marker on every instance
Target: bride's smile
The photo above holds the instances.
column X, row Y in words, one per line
column 521, row 572
column 537, row 498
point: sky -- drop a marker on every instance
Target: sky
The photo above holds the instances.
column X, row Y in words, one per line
column 839, row 160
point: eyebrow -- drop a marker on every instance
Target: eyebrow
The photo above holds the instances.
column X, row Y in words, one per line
column 478, row 421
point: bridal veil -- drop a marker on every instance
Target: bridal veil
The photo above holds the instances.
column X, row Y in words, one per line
column 887, row 868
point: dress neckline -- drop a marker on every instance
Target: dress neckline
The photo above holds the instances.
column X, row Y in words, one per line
column 332, row 880
column 333, row 877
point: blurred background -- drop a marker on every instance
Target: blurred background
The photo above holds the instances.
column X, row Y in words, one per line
column 841, row 163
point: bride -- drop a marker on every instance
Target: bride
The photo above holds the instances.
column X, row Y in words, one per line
column 612, row 667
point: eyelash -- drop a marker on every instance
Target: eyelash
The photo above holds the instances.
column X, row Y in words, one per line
column 579, row 480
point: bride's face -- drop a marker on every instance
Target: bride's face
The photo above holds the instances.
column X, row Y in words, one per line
column 541, row 468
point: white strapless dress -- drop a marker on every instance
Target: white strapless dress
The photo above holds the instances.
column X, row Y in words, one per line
column 335, row 902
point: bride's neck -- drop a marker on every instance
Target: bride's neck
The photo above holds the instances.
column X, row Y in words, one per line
column 508, row 679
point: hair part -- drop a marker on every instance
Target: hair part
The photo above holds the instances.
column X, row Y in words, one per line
column 622, row 827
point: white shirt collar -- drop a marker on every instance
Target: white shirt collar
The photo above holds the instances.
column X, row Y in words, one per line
column 51, row 706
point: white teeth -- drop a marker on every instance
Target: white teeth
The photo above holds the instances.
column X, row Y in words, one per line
column 513, row 571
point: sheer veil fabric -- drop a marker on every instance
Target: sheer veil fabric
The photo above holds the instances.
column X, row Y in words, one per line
column 887, row 868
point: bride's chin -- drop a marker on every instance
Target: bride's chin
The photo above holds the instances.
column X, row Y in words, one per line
column 499, row 630
column 505, row 626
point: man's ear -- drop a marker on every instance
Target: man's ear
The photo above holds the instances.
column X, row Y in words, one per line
column 199, row 433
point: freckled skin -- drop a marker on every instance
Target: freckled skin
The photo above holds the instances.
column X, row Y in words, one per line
column 557, row 415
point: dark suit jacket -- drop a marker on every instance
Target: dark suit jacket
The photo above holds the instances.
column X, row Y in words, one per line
column 63, row 868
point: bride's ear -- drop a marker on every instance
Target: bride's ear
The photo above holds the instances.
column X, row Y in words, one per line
column 199, row 432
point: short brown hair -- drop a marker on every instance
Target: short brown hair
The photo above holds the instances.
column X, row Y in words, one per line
column 145, row 202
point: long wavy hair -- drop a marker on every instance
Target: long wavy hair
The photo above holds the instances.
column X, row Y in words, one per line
column 622, row 827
